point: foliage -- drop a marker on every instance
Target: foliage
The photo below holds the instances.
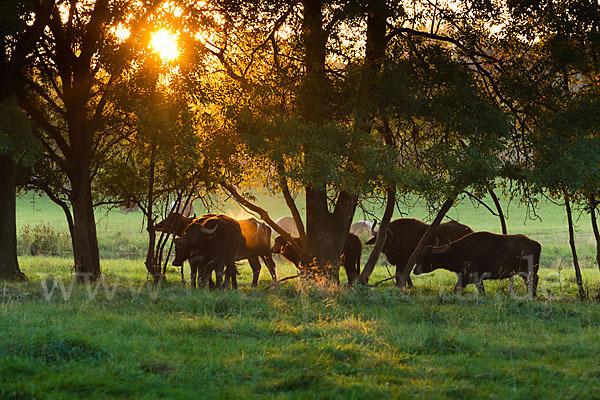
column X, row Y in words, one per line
column 16, row 136
column 43, row 240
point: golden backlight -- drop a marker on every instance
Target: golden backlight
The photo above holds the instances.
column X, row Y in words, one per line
column 165, row 45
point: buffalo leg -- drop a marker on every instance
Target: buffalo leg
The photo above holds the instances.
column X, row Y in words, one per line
column 351, row 273
column 231, row 276
column 219, row 271
column 478, row 282
column 399, row 268
column 270, row 266
column 461, row 282
column 480, row 288
column 255, row 265
column 193, row 273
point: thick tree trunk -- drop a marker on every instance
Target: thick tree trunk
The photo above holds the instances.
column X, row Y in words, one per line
column 499, row 210
column 574, row 249
column 85, row 240
column 381, row 236
column 416, row 254
column 9, row 265
column 595, row 228
column 326, row 232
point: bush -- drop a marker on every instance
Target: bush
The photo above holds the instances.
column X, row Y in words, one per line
column 43, row 240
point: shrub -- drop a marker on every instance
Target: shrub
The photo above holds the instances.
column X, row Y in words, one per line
column 43, row 240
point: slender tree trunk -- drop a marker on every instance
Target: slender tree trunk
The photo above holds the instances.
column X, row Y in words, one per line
column 9, row 265
column 152, row 269
column 500, row 212
column 574, row 249
column 595, row 228
column 381, row 236
column 68, row 216
column 377, row 12
column 416, row 254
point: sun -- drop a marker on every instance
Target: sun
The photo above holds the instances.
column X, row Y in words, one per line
column 165, row 45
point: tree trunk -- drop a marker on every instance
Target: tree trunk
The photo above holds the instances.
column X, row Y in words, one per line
column 377, row 12
column 9, row 265
column 150, row 262
column 85, row 240
column 381, row 236
column 574, row 249
column 327, row 232
column 416, row 254
column 595, row 228
column 500, row 212
column 68, row 216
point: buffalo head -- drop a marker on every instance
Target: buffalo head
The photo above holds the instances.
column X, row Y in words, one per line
column 193, row 238
column 430, row 257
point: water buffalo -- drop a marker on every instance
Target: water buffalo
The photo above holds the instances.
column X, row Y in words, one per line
column 257, row 243
column 215, row 242
column 404, row 234
column 484, row 255
column 350, row 257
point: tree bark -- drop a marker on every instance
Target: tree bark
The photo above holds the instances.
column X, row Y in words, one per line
column 500, row 212
column 416, row 254
column 574, row 249
column 68, row 216
column 85, row 240
column 327, row 232
column 595, row 228
column 381, row 237
column 9, row 265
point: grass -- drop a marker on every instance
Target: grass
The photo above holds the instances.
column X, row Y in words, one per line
column 296, row 341
column 127, row 339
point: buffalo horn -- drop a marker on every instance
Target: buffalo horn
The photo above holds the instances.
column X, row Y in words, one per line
column 440, row 250
column 373, row 232
column 437, row 242
column 209, row 231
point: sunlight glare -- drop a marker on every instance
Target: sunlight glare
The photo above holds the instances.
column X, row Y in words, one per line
column 165, row 45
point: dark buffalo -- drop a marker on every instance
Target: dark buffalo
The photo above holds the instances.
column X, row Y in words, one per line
column 215, row 241
column 257, row 244
column 404, row 234
column 350, row 257
column 485, row 255
column 175, row 223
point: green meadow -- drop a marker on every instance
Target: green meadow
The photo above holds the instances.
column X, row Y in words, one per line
column 125, row 338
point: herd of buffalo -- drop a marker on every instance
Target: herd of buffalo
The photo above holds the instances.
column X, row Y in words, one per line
column 215, row 242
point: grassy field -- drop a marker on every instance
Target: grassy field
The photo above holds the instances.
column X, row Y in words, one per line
column 124, row 338
column 296, row 341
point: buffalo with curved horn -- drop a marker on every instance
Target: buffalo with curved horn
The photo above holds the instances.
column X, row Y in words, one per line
column 404, row 234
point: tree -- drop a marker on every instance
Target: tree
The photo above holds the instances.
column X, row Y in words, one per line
column 69, row 94
column 560, row 100
column 21, row 26
column 160, row 161
column 316, row 111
